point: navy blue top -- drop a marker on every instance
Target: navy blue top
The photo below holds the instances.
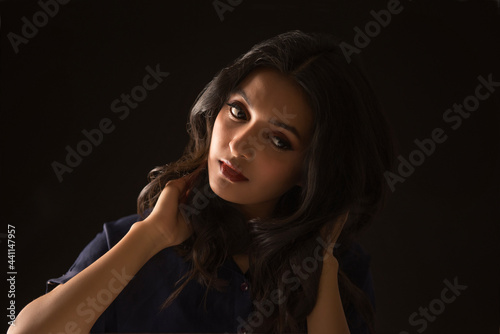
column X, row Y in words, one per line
column 138, row 308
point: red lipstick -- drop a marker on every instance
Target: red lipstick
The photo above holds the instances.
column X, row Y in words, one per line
column 231, row 173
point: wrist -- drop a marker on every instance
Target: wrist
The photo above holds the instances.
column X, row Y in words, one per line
column 149, row 238
column 330, row 264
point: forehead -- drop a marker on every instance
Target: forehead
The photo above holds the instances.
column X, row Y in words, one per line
column 277, row 95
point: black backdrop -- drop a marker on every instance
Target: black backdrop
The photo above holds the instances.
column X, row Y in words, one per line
column 440, row 224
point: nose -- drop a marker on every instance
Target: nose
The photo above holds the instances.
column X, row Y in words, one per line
column 244, row 143
column 240, row 148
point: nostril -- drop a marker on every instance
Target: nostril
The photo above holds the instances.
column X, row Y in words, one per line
column 238, row 148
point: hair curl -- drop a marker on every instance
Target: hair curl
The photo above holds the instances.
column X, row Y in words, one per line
column 349, row 152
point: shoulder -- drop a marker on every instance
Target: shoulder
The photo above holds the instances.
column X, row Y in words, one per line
column 109, row 236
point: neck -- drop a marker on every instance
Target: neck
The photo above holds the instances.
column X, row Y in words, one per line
column 251, row 211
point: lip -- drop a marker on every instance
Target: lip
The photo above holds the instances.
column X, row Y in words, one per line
column 231, row 172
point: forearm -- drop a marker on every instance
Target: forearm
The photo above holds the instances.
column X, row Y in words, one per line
column 328, row 314
column 75, row 306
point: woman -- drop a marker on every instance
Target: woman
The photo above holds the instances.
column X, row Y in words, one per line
column 288, row 148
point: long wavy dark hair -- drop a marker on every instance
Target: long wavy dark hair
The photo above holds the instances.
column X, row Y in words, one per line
column 350, row 149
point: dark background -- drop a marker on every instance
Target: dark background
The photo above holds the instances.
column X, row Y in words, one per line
column 441, row 223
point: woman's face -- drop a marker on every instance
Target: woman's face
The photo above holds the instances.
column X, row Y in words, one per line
column 262, row 132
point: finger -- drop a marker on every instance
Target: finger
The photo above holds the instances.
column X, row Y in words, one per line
column 169, row 196
column 179, row 184
column 339, row 227
column 333, row 237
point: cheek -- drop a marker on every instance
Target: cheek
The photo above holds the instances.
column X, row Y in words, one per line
column 279, row 171
column 217, row 133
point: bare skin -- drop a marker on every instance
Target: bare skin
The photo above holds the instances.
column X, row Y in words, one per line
column 58, row 311
column 328, row 314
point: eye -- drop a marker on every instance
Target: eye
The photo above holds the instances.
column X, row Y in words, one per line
column 236, row 111
column 279, row 143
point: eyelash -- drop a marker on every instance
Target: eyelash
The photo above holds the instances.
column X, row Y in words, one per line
column 286, row 144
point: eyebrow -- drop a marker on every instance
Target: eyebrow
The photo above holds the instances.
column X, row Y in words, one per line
column 273, row 120
column 290, row 128
column 241, row 92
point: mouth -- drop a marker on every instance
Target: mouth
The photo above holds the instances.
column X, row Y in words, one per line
column 231, row 172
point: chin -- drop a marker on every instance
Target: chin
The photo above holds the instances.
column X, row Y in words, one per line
column 219, row 187
column 225, row 190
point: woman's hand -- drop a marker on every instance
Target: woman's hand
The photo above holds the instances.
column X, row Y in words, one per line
column 333, row 236
column 56, row 310
column 328, row 314
column 166, row 222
